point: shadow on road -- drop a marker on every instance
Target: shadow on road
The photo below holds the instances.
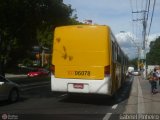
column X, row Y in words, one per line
column 6, row 102
column 89, row 99
column 121, row 95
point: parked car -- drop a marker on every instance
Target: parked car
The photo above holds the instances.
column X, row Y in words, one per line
column 38, row 72
column 9, row 90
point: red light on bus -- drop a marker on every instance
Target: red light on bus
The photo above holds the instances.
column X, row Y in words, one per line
column 53, row 69
column 107, row 70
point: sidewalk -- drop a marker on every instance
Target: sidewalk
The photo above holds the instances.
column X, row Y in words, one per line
column 141, row 100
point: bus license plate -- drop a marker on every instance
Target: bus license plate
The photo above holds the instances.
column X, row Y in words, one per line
column 78, row 85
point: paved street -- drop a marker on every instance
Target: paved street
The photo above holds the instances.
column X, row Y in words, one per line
column 37, row 101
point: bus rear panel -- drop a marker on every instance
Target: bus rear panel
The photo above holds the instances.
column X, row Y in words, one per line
column 81, row 59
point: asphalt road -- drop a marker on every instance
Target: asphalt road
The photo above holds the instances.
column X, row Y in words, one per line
column 38, row 102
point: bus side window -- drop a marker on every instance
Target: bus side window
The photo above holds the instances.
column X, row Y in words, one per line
column 113, row 52
column 116, row 51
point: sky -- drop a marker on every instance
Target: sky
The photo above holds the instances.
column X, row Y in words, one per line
column 118, row 15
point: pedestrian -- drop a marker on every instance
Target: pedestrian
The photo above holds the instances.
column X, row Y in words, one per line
column 153, row 80
column 158, row 74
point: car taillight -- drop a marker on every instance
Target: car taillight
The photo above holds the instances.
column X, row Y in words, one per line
column 107, row 70
column 53, row 69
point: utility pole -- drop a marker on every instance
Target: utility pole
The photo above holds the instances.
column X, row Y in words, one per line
column 144, row 44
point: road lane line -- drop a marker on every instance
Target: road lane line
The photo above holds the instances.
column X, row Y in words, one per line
column 107, row 116
column 63, row 95
column 114, row 106
column 140, row 99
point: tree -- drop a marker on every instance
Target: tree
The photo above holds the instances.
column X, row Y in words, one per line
column 22, row 20
column 133, row 63
column 153, row 56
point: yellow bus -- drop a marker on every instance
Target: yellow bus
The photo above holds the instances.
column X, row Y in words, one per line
column 87, row 59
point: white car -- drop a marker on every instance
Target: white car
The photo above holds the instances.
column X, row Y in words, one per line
column 8, row 90
column 136, row 73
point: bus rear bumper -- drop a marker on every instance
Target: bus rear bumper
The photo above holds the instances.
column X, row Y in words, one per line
column 82, row 85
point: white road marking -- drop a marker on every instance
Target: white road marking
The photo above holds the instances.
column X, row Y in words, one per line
column 107, row 116
column 63, row 95
column 140, row 99
column 114, row 106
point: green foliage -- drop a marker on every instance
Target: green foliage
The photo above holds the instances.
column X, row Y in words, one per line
column 133, row 63
column 27, row 62
column 153, row 57
column 25, row 23
column 20, row 19
column 45, row 37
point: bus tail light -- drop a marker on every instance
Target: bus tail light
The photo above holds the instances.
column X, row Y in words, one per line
column 107, row 70
column 53, row 69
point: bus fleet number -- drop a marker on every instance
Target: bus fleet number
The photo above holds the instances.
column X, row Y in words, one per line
column 82, row 73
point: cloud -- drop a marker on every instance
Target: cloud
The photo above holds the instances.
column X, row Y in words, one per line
column 118, row 15
column 129, row 43
column 125, row 40
column 152, row 37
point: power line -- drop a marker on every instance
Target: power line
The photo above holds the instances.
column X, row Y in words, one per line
column 152, row 17
column 148, row 9
column 144, row 12
column 133, row 28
